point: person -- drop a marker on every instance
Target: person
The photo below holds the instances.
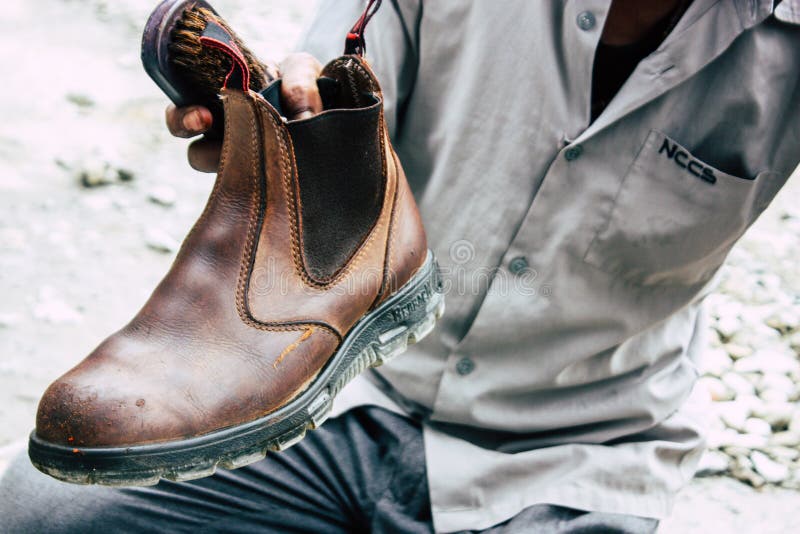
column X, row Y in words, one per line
column 583, row 169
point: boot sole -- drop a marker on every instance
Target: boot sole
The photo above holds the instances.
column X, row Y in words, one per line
column 405, row 317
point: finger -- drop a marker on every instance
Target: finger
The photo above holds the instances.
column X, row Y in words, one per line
column 299, row 92
column 188, row 121
column 204, row 155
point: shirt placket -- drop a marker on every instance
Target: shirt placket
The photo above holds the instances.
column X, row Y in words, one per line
column 583, row 21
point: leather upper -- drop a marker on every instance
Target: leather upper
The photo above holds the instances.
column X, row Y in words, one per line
column 243, row 321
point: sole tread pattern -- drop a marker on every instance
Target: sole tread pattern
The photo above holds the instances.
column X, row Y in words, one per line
column 387, row 346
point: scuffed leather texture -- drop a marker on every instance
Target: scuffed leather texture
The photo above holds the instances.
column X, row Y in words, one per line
column 237, row 328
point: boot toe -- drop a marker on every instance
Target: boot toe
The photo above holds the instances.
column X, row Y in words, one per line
column 78, row 415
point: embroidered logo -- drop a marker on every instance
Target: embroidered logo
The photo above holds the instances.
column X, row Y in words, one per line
column 684, row 160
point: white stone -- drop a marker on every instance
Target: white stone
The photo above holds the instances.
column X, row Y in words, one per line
column 757, row 426
column 712, row 463
column 95, row 172
column 768, row 468
column 794, row 341
column 777, row 414
column 757, row 335
column 767, row 360
column 784, row 320
column 728, row 325
column 742, row 469
column 159, row 240
column 737, row 351
column 716, row 389
column 774, row 395
column 740, row 385
column 162, row 195
column 776, row 381
column 794, row 422
column 788, row 438
column 733, row 413
column 715, row 361
column 717, row 438
column 746, row 441
column 783, row 454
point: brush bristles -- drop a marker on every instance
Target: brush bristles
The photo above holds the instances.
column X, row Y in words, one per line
column 205, row 68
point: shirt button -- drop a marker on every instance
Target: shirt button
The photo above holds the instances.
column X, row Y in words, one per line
column 586, row 20
column 465, row 366
column 573, row 153
column 518, row 265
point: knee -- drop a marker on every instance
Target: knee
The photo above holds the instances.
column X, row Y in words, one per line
column 31, row 501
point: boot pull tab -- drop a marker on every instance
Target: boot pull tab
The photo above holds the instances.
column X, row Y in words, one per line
column 355, row 43
column 217, row 37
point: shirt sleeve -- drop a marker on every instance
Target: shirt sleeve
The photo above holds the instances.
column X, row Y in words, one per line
column 391, row 39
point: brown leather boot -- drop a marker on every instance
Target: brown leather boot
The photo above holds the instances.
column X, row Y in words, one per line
column 308, row 265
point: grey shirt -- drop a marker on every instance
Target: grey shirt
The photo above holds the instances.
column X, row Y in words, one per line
column 576, row 254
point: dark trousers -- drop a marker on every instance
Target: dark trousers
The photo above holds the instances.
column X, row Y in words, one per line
column 362, row 472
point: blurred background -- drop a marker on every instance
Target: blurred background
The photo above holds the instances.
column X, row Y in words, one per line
column 95, row 197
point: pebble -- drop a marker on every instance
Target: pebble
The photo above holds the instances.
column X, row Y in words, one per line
column 784, row 320
column 787, row 438
column 160, row 241
column 717, row 439
column 728, row 325
column 766, row 360
column 162, row 195
column 95, row 173
column 715, row 361
column 738, row 384
column 777, row 414
column 757, row 335
column 80, row 99
column 713, row 463
column 794, row 341
column 737, row 351
column 733, row 413
column 731, row 438
column 774, row 395
column 794, row 422
column 776, row 381
column 793, row 482
column 783, row 454
column 757, row 426
column 716, row 388
column 125, row 175
column 742, row 469
column 768, row 468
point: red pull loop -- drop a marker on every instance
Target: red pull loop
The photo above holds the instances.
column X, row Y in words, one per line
column 355, row 43
column 217, row 37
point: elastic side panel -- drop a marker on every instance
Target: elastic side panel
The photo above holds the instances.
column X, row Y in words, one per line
column 340, row 176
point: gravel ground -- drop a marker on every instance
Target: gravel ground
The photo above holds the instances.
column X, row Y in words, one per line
column 77, row 262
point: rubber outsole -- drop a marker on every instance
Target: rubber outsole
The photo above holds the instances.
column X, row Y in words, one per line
column 404, row 318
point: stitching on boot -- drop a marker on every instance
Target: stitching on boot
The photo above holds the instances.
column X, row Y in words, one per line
column 350, row 264
column 355, row 257
column 223, row 158
column 247, row 255
column 387, row 255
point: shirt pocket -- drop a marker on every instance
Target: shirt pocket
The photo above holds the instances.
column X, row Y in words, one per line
column 675, row 217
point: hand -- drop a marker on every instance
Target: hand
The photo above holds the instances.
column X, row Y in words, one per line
column 299, row 97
